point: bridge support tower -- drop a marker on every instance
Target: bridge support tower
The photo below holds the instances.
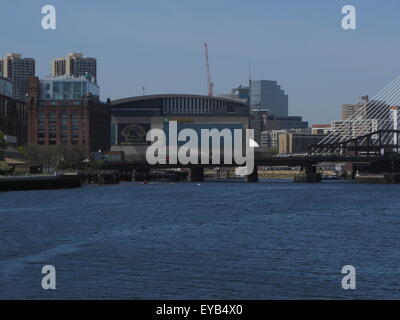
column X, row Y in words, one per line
column 308, row 174
column 253, row 177
column 197, row 174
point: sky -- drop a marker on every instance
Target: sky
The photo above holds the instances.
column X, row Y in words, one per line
column 159, row 44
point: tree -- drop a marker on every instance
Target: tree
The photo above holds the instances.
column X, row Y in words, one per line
column 71, row 156
column 55, row 157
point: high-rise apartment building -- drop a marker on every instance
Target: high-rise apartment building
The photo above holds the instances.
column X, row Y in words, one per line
column 18, row 70
column 74, row 64
column 268, row 95
column 360, row 108
column 349, row 129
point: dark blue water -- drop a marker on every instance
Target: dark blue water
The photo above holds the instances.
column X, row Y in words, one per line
column 213, row 241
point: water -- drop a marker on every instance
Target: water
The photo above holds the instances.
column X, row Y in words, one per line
column 210, row 241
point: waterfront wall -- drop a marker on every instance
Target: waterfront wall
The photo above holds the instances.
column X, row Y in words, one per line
column 39, row 182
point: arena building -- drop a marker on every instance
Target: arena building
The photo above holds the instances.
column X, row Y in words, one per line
column 132, row 118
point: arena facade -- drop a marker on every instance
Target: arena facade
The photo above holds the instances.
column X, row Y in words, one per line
column 132, row 118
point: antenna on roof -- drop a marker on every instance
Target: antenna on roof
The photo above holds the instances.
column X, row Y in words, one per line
column 210, row 84
column 249, row 73
column 249, row 84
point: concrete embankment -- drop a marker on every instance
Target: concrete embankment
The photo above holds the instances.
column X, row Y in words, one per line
column 39, row 182
column 263, row 174
column 388, row 178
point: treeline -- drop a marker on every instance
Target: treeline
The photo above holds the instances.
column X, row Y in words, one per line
column 59, row 157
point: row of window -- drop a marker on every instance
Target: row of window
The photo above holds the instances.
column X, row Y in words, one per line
column 193, row 105
column 41, row 127
column 62, row 121
column 53, row 135
column 62, row 114
column 53, row 142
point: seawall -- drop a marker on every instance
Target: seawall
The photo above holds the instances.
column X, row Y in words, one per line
column 39, row 182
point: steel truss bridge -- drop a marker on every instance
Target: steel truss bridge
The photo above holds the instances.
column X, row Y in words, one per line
column 381, row 143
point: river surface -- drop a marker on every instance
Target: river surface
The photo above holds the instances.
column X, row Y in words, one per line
column 266, row 240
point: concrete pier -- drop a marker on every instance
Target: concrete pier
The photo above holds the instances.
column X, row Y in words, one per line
column 141, row 175
column 383, row 178
column 196, row 174
column 309, row 174
column 253, row 177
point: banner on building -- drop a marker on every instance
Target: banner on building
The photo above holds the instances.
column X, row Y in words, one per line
column 133, row 134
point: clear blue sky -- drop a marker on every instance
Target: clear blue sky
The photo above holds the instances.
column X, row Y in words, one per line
column 159, row 44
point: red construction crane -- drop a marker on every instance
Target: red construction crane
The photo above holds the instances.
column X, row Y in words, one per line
column 209, row 81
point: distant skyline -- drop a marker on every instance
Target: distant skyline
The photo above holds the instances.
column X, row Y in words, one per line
column 159, row 45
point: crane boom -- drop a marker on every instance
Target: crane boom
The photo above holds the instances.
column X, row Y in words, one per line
column 210, row 84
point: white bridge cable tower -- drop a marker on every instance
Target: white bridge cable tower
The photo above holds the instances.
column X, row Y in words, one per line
column 380, row 113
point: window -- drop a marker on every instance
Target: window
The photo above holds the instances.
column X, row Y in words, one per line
column 77, row 87
column 67, row 87
column 56, row 87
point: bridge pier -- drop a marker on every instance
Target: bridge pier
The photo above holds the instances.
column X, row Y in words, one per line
column 253, row 177
column 308, row 174
column 141, row 175
column 196, row 174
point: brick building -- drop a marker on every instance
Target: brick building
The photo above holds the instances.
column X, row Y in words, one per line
column 71, row 120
